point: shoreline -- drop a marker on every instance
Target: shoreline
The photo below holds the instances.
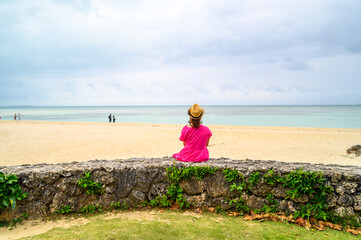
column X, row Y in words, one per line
column 32, row 142
column 172, row 125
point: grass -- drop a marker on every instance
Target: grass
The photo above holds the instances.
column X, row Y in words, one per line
column 183, row 225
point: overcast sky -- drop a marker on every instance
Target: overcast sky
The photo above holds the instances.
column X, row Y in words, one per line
column 135, row 52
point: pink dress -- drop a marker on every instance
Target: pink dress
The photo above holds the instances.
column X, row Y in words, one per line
column 195, row 149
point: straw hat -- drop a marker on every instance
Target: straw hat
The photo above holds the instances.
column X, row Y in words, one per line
column 196, row 112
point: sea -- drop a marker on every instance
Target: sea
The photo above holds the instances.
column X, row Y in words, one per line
column 345, row 116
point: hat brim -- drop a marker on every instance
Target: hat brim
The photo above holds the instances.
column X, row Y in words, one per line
column 194, row 117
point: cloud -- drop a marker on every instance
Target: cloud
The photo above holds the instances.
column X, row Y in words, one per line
column 291, row 64
column 160, row 52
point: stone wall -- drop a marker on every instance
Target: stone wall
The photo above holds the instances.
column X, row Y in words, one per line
column 136, row 180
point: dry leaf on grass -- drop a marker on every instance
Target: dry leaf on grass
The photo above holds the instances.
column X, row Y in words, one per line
column 320, row 228
column 248, row 217
column 353, row 231
column 320, row 225
column 198, row 210
column 233, row 214
column 211, row 209
column 290, row 218
column 303, row 223
column 274, row 218
column 175, row 206
column 313, row 221
column 256, row 216
column 332, row 226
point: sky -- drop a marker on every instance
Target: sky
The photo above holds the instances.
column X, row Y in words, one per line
column 241, row 52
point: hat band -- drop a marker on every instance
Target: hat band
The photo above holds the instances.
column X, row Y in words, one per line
column 190, row 114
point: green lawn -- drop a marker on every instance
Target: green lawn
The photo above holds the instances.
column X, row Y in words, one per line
column 180, row 225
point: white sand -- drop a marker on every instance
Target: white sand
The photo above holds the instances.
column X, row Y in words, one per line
column 30, row 142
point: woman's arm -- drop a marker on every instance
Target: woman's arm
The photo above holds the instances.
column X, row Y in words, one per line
column 184, row 143
column 208, row 141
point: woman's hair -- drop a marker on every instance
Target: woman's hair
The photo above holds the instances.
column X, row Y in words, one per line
column 194, row 122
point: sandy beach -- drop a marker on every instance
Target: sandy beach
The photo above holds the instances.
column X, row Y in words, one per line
column 31, row 142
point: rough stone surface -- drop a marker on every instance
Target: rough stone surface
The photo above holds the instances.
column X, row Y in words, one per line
column 135, row 180
column 345, row 200
column 217, row 185
column 336, row 177
column 279, row 192
column 344, row 211
column 192, row 186
column 253, row 201
column 340, row 190
column 302, row 199
column 332, row 200
column 356, row 149
column 357, row 202
column 350, row 188
column 287, row 206
column 138, row 196
column 261, row 189
column 159, row 189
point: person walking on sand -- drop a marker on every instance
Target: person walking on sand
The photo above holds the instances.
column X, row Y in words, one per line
column 15, row 117
column 19, row 117
column 110, row 118
column 195, row 138
column 113, row 119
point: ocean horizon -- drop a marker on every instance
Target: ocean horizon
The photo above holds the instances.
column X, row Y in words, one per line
column 321, row 116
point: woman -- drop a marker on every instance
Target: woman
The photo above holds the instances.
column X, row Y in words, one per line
column 195, row 138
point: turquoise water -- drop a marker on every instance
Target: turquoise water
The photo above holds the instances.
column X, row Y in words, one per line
column 284, row 116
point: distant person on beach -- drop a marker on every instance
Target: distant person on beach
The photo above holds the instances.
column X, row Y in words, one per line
column 195, row 138
column 19, row 117
column 113, row 119
column 15, row 116
column 110, row 118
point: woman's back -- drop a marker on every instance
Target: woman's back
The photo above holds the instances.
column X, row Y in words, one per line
column 195, row 138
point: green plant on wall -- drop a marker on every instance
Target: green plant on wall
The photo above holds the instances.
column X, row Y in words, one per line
column 240, row 205
column 309, row 183
column 64, row 210
column 239, row 185
column 10, row 191
column 299, row 182
column 272, row 205
column 271, row 178
column 232, row 175
column 253, row 180
column 90, row 209
column 175, row 193
column 89, row 185
column 313, row 185
column 161, row 201
column 175, row 175
column 119, row 205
